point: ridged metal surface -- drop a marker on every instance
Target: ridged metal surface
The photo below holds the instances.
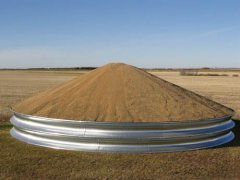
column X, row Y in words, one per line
column 140, row 137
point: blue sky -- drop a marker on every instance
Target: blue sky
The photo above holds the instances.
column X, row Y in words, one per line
column 144, row 33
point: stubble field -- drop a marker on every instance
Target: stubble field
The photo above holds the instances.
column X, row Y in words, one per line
column 23, row 161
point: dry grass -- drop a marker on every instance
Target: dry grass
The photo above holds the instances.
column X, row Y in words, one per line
column 18, row 85
column 225, row 90
column 23, row 161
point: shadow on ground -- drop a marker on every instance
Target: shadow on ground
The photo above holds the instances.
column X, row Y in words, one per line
column 236, row 131
column 236, row 141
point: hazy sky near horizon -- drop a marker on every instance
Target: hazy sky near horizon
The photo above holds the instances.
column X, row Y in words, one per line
column 144, row 33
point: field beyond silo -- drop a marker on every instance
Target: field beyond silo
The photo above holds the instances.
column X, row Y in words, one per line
column 23, row 161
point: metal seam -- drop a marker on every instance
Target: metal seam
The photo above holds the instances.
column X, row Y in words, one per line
column 118, row 138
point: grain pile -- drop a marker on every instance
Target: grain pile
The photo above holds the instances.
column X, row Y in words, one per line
column 121, row 93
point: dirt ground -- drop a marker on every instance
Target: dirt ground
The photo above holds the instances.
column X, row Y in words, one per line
column 22, row 161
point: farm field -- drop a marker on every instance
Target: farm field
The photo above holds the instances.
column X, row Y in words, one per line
column 23, row 161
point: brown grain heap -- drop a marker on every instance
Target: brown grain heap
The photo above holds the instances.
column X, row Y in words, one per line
column 121, row 93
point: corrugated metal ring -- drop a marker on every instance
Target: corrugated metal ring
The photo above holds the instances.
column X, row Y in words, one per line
column 140, row 137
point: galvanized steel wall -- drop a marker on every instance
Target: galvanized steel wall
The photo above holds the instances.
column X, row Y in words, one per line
column 140, row 137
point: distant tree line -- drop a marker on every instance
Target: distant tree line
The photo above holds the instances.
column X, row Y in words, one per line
column 188, row 72
column 54, row 69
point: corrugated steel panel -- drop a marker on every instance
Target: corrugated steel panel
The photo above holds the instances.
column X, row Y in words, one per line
column 140, row 137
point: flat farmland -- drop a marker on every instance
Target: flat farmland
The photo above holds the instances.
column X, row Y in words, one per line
column 223, row 89
column 22, row 161
column 18, row 85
